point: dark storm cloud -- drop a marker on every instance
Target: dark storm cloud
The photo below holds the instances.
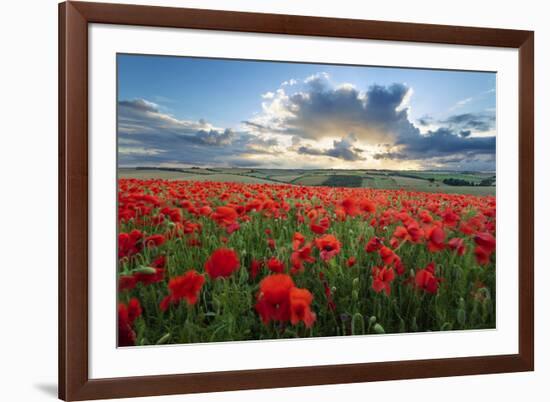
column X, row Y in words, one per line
column 212, row 137
column 138, row 105
column 324, row 111
column 342, row 149
column 425, row 120
column 147, row 136
column 471, row 121
column 444, row 146
column 444, row 141
column 175, row 148
column 379, row 115
column 142, row 116
column 389, row 155
column 262, row 142
column 318, row 110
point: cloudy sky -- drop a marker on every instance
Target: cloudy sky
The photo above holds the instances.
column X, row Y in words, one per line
column 180, row 112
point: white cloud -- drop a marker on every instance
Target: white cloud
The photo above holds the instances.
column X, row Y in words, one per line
column 318, row 76
column 290, row 82
column 461, row 103
column 139, row 151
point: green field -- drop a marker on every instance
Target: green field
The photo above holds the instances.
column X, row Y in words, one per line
column 426, row 181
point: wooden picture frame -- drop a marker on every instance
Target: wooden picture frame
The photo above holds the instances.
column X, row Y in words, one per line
column 74, row 381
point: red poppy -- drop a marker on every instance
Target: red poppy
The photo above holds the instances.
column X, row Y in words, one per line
column 368, row 206
column 485, row 241
column 255, row 267
column 349, row 205
column 186, row 286
column 415, row 234
column 297, row 240
column 155, row 240
column 130, row 243
column 127, row 314
column 436, row 239
column 300, row 307
column 192, row 242
column 457, row 244
column 449, row 217
column 382, row 278
column 399, row 267
column 401, row 232
column 126, row 282
column 425, row 217
column 388, row 256
column 328, row 293
column 274, row 298
column 222, row 263
column 328, row 245
column 321, row 227
column 299, row 257
column 373, row 245
column 173, row 213
column 351, row 261
column 205, row 210
column 340, row 214
column 482, row 256
column 191, row 227
column 225, row 215
column 134, row 309
column 426, row 280
column 159, row 262
column 232, row 227
column 274, row 265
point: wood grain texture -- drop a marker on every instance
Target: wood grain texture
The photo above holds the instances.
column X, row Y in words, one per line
column 74, row 382
column 526, row 261
column 298, row 25
column 73, row 202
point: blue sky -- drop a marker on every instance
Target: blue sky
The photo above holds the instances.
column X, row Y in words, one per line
column 178, row 111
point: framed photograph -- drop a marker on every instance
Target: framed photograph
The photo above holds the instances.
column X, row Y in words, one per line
column 259, row 200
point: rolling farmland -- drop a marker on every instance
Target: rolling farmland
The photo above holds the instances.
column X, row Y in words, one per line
column 424, row 181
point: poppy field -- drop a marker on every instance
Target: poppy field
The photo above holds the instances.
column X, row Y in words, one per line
column 204, row 261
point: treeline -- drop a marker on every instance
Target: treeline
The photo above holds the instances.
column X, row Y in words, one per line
column 461, row 182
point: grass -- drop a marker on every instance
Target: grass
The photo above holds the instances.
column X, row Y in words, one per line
column 430, row 182
column 343, row 181
column 345, row 299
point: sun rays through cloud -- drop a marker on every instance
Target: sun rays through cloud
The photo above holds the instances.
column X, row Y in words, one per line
column 197, row 112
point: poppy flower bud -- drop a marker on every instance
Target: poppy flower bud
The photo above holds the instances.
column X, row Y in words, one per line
column 355, row 284
column 461, row 303
column 402, row 326
column 456, row 273
column 486, row 308
column 461, row 316
column 355, row 295
column 164, row 338
column 142, row 269
column 414, row 325
column 216, row 303
column 378, row 329
column 357, row 324
column 447, row 326
column 372, row 320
